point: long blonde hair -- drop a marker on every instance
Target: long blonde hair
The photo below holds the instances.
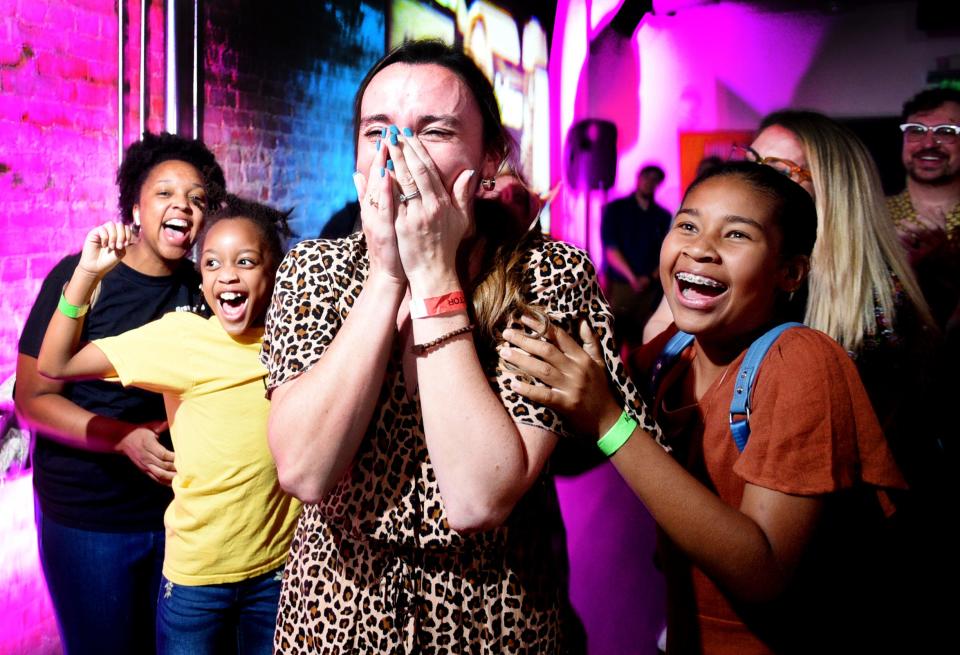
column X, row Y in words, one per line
column 857, row 258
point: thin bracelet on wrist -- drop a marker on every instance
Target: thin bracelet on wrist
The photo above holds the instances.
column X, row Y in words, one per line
column 422, row 348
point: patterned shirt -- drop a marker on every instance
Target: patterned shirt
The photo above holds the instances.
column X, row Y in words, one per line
column 902, row 211
column 375, row 567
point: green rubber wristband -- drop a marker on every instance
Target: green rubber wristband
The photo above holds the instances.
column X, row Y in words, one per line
column 68, row 309
column 616, row 436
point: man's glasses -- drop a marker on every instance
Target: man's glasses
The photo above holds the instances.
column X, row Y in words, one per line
column 945, row 133
column 794, row 171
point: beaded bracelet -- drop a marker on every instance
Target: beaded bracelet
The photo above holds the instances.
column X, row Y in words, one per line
column 421, row 348
column 616, row 436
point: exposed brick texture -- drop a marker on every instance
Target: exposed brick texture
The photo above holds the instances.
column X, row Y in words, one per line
column 58, row 109
column 279, row 100
column 278, row 92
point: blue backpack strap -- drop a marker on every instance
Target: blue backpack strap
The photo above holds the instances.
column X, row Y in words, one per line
column 676, row 345
column 746, row 374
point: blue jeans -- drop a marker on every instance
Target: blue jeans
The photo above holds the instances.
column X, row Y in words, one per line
column 237, row 617
column 103, row 586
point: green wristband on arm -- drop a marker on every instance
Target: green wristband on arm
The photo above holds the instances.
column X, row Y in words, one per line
column 616, row 436
column 68, row 309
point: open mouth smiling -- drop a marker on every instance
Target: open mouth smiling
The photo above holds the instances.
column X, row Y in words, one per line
column 178, row 225
column 232, row 304
column 698, row 287
column 176, row 231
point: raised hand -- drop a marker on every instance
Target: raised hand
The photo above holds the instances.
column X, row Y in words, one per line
column 573, row 379
column 431, row 223
column 376, row 195
column 924, row 234
column 103, row 247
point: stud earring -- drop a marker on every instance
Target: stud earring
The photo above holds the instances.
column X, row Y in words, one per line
column 488, row 183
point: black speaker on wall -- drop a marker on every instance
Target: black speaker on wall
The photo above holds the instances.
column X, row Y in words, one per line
column 592, row 154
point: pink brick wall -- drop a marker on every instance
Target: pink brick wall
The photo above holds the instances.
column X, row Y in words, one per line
column 58, row 116
column 277, row 94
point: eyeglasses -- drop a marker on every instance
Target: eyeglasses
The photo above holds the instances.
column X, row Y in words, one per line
column 793, row 170
column 945, row 133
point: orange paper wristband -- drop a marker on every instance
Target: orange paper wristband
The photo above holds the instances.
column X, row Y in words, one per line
column 448, row 303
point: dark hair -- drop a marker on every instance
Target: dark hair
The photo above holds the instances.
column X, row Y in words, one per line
column 496, row 139
column 928, row 100
column 653, row 168
column 142, row 156
column 270, row 223
column 795, row 213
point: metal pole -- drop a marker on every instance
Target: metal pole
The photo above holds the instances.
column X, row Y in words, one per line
column 119, row 81
column 170, row 100
column 143, row 67
column 196, row 69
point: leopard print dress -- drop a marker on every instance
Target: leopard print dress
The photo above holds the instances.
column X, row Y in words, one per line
column 374, row 567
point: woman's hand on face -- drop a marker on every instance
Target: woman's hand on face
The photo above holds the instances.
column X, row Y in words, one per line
column 103, row 247
column 377, row 215
column 432, row 224
column 573, row 378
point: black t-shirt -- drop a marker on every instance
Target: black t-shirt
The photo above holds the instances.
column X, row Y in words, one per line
column 636, row 232
column 105, row 492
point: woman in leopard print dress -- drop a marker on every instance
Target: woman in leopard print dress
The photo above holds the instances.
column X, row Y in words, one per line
column 427, row 523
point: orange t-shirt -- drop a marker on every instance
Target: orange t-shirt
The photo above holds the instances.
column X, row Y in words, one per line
column 812, row 432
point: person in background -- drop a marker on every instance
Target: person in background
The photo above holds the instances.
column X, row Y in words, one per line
column 103, row 462
column 632, row 229
column 927, row 212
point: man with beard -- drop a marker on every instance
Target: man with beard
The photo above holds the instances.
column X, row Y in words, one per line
column 927, row 212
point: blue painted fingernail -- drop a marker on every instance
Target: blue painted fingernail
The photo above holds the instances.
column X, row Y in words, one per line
column 389, row 164
column 407, row 131
column 383, row 171
column 393, row 139
column 378, row 145
column 394, row 129
column 383, row 133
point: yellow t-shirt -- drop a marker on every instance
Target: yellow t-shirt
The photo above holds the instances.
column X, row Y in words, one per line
column 229, row 519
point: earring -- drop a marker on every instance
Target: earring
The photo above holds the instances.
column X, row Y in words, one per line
column 136, row 217
column 488, row 183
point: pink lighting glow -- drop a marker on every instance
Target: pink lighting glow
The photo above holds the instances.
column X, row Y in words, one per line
column 27, row 624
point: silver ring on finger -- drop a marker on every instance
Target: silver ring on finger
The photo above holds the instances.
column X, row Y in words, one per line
column 409, row 196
